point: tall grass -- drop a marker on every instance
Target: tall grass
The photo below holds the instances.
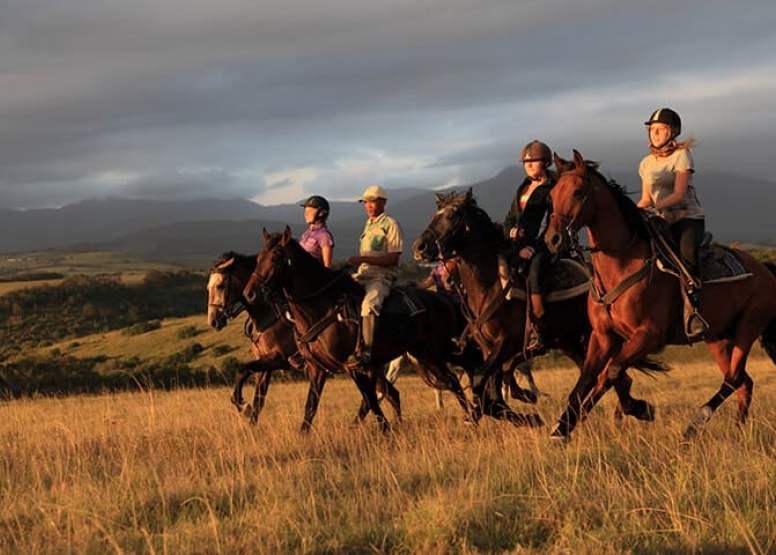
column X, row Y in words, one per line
column 179, row 472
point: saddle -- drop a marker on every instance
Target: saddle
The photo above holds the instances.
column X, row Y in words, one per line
column 567, row 279
column 402, row 302
column 718, row 264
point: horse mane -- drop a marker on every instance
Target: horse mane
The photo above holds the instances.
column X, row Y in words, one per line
column 325, row 275
column 493, row 231
column 628, row 209
column 242, row 260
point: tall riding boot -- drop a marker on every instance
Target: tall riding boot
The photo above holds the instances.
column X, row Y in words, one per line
column 368, row 328
column 535, row 339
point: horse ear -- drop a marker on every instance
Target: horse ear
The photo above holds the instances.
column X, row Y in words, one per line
column 469, row 194
column 286, row 235
column 225, row 265
column 558, row 161
column 264, row 233
column 579, row 162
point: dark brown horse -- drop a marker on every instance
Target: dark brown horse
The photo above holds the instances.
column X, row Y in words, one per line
column 462, row 230
column 325, row 306
column 272, row 339
column 636, row 308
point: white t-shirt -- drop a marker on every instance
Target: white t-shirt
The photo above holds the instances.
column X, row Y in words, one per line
column 658, row 173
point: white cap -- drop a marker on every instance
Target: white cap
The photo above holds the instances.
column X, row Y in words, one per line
column 373, row 192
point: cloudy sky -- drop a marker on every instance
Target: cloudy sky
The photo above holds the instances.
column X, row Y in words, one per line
column 277, row 99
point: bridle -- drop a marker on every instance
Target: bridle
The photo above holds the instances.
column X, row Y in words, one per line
column 442, row 241
column 571, row 231
column 235, row 308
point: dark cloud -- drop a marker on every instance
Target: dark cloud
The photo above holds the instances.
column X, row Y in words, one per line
column 303, row 96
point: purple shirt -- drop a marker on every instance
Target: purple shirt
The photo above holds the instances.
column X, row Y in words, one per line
column 315, row 238
column 440, row 279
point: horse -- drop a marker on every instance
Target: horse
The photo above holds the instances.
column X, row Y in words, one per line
column 325, row 307
column 635, row 306
column 272, row 339
column 460, row 229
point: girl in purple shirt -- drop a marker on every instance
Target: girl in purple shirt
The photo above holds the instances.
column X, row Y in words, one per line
column 317, row 239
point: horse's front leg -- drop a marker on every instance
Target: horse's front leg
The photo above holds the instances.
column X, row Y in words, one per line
column 237, row 398
column 366, row 381
column 318, row 377
column 585, row 393
column 259, row 395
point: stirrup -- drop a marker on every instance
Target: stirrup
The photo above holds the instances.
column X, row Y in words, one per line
column 696, row 326
column 535, row 340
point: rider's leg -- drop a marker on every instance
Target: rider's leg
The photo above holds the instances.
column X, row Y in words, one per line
column 538, row 265
column 690, row 234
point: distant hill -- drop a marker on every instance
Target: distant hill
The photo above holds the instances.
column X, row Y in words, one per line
column 202, row 229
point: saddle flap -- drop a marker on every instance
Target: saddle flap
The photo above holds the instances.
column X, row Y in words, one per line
column 567, row 279
column 402, row 301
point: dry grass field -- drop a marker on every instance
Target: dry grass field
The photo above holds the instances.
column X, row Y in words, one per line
column 180, row 472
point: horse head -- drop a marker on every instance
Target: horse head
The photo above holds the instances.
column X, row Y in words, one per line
column 570, row 201
column 445, row 233
column 272, row 264
column 224, row 289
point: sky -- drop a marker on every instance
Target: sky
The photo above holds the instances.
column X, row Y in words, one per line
column 274, row 100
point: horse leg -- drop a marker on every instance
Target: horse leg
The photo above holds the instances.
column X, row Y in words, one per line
column 259, row 396
column 731, row 359
column 385, row 390
column 237, row 398
column 437, row 374
column 318, row 377
column 587, row 391
column 367, row 385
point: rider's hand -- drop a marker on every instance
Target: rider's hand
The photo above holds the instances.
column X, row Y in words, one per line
column 513, row 233
column 526, row 253
column 354, row 261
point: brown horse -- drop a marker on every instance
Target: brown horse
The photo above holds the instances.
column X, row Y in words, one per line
column 636, row 308
column 462, row 230
column 272, row 339
column 325, row 308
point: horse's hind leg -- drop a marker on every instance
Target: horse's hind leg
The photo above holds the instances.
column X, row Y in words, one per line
column 731, row 359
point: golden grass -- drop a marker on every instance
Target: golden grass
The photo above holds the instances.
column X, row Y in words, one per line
column 179, row 472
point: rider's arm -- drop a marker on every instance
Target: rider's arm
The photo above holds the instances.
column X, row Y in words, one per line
column 681, row 182
column 387, row 259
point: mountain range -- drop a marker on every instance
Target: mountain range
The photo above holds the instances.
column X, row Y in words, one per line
column 195, row 232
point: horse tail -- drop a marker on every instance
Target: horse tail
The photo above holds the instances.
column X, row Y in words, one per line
column 650, row 366
column 768, row 336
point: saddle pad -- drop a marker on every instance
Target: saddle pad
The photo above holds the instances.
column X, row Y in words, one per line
column 720, row 264
column 568, row 279
column 402, row 302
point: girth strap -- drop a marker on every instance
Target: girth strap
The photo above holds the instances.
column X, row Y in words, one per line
column 315, row 330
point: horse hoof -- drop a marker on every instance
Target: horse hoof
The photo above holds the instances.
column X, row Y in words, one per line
column 246, row 411
column 559, row 436
column 642, row 411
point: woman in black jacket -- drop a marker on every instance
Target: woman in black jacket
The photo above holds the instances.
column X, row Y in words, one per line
column 525, row 224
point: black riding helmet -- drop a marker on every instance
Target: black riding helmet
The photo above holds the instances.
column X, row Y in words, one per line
column 668, row 117
column 317, row 201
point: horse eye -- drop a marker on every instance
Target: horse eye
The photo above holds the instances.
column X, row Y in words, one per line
column 579, row 194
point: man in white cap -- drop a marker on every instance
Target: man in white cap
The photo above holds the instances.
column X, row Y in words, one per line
column 378, row 264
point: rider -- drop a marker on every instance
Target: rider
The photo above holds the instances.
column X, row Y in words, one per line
column 380, row 247
column 524, row 225
column 666, row 174
column 441, row 277
column 317, row 239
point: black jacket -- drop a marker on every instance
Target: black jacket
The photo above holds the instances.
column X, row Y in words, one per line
column 530, row 220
